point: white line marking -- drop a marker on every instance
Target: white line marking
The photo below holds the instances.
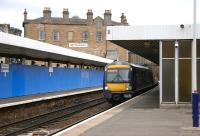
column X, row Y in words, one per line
column 93, row 117
column 48, row 97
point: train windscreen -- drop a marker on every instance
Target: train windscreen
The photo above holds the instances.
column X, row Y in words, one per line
column 118, row 75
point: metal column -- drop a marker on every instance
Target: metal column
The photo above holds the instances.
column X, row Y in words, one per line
column 160, row 70
column 176, row 71
column 195, row 94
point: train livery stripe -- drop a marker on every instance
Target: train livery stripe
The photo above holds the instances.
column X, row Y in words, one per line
column 113, row 87
column 119, row 66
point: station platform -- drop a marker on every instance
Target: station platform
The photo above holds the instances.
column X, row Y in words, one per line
column 140, row 116
column 45, row 96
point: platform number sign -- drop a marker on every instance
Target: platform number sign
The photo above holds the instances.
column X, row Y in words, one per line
column 50, row 70
column 5, row 68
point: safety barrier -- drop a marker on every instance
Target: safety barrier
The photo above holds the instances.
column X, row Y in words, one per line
column 20, row 80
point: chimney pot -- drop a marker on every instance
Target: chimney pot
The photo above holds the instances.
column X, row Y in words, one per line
column 25, row 15
column 90, row 16
column 65, row 14
column 47, row 13
column 107, row 17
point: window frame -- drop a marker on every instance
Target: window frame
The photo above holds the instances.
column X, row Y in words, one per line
column 85, row 37
column 41, row 35
column 99, row 38
column 56, row 36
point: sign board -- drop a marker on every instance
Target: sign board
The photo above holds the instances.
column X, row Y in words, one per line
column 81, row 45
column 51, row 69
column 5, row 68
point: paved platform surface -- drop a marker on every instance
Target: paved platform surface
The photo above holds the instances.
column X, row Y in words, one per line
column 138, row 117
column 45, row 96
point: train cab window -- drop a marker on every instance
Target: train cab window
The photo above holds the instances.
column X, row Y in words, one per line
column 118, row 75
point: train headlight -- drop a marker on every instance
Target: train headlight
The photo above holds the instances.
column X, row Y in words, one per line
column 129, row 88
column 106, row 88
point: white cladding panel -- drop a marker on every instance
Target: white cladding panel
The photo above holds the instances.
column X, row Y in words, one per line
column 153, row 32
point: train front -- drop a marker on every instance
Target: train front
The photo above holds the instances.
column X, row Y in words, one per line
column 118, row 82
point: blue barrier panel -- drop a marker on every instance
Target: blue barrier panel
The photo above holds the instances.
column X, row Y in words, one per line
column 5, row 85
column 25, row 80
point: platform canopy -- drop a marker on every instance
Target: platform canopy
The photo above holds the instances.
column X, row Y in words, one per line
column 15, row 46
column 144, row 40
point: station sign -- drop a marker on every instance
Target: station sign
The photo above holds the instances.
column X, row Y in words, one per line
column 5, row 68
column 78, row 45
column 50, row 69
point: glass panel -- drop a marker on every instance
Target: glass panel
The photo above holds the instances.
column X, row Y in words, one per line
column 41, row 35
column 112, row 54
column 185, row 49
column 168, row 49
column 198, row 48
column 118, row 75
column 85, row 36
column 55, row 36
column 99, row 36
column 185, row 80
column 168, row 80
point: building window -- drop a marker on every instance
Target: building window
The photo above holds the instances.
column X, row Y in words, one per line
column 99, row 37
column 99, row 24
column 70, row 36
column 112, row 54
column 41, row 35
column 85, row 36
column 56, row 36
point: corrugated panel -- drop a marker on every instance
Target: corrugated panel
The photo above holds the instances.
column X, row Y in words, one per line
column 25, row 80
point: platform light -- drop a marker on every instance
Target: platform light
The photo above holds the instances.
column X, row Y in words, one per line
column 176, row 44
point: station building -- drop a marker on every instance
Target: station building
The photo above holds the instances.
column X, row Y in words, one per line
column 170, row 47
column 6, row 28
column 85, row 35
column 11, row 30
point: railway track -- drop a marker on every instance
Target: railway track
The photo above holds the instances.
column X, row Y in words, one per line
column 56, row 121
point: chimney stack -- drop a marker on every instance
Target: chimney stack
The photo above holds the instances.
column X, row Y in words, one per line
column 123, row 19
column 65, row 14
column 90, row 16
column 47, row 13
column 25, row 15
column 107, row 17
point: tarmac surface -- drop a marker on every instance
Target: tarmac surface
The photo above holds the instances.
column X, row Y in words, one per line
column 140, row 116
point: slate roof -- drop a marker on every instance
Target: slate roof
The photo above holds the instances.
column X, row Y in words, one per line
column 59, row 20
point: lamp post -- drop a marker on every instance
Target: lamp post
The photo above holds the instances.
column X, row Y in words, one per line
column 195, row 94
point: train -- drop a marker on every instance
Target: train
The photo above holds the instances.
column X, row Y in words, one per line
column 122, row 80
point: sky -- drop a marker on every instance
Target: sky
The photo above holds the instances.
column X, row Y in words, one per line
column 137, row 12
